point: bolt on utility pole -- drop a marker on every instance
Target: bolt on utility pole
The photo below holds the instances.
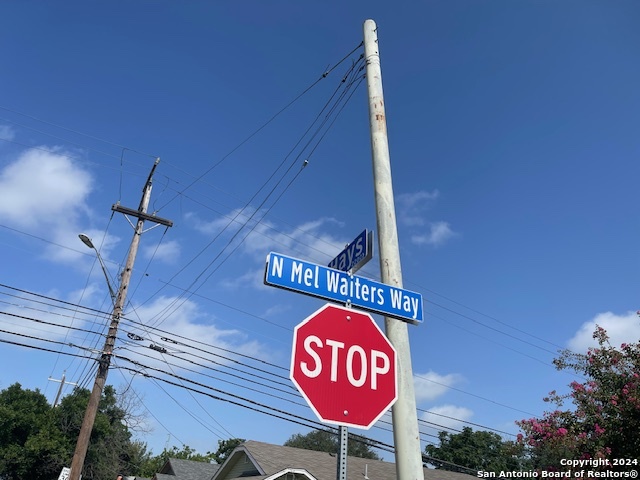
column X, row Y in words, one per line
column 82, row 444
column 405, row 419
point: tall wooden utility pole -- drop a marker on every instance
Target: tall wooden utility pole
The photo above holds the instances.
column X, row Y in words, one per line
column 405, row 419
column 105, row 358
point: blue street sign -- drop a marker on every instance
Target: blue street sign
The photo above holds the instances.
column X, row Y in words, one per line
column 355, row 254
column 340, row 287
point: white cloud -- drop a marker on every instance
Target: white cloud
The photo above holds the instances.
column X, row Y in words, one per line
column 67, row 235
column 253, row 278
column 42, row 189
column 431, row 385
column 46, row 193
column 417, row 199
column 438, row 234
column 276, row 311
column 167, row 252
column 307, row 240
column 447, row 417
column 7, row 133
column 411, row 206
column 623, row 328
column 173, row 314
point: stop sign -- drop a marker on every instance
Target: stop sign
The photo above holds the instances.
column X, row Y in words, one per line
column 344, row 366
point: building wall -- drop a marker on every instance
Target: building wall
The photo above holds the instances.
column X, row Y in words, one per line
column 242, row 465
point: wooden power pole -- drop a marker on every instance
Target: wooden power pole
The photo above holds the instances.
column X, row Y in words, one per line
column 82, row 445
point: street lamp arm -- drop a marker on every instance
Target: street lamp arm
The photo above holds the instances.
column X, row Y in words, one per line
column 112, row 293
column 87, row 241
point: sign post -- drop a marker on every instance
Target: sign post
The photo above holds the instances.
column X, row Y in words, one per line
column 342, row 454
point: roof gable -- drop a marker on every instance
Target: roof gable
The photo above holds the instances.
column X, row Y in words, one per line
column 239, row 464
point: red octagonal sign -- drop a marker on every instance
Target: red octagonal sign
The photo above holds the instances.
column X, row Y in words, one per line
column 344, row 366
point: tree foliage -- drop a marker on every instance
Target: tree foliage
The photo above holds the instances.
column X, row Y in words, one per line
column 605, row 419
column 225, row 447
column 29, row 446
column 37, row 440
column 475, row 450
column 327, row 441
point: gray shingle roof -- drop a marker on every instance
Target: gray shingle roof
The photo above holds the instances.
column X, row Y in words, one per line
column 272, row 459
column 178, row 469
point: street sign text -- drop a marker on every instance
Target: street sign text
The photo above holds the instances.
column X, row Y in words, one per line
column 318, row 281
column 355, row 254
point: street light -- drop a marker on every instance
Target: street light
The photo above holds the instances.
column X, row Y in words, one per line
column 87, row 241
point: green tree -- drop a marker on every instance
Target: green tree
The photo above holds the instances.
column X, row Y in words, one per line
column 30, row 444
column 111, row 449
column 37, row 441
column 225, row 447
column 605, row 419
column 327, row 441
column 476, row 450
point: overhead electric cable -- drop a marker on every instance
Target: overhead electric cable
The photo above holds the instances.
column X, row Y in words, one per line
column 264, row 125
column 287, row 416
column 203, row 343
column 76, row 131
column 254, row 212
column 44, row 322
column 233, row 360
column 40, row 348
column 149, row 411
column 466, row 421
column 474, row 395
column 58, row 138
column 291, row 390
column 218, row 433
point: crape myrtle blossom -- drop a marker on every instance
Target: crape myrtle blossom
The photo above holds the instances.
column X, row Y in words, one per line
column 605, row 417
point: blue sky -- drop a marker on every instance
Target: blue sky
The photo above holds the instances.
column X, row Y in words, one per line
column 513, row 140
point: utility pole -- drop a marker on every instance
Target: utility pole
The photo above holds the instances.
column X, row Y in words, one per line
column 405, row 418
column 105, row 359
column 62, row 384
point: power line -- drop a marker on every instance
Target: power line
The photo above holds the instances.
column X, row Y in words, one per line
column 264, row 125
column 170, row 334
column 182, row 298
column 76, row 131
column 283, row 415
column 43, row 348
column 164, row 390
column 474, row 395
column 44, row 322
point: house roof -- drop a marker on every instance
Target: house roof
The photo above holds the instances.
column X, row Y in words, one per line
column 271, row 461
column 178, row 469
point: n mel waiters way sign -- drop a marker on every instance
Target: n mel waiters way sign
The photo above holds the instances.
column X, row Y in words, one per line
column 344, row 366
column 340, row 287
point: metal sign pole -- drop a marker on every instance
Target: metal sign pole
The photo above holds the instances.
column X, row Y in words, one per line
column 342, row 454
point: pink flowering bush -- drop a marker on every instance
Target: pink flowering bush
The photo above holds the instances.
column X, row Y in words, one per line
column 605, row 419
